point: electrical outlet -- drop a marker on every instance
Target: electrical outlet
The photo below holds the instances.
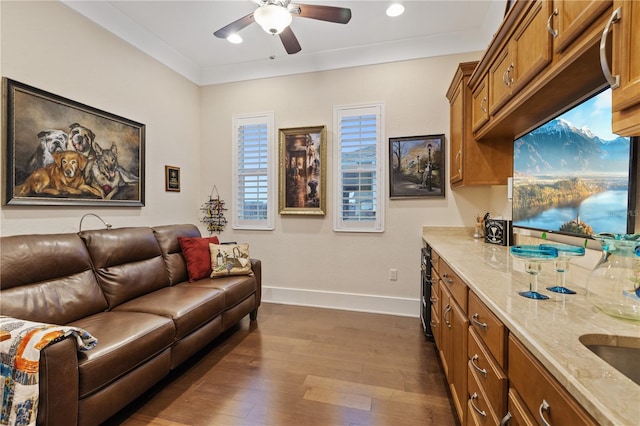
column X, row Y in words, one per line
column 393, row 274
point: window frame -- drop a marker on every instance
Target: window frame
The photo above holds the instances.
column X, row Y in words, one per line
column 238, row 121
column 377, row 225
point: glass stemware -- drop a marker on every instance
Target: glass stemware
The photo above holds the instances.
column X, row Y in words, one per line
column 561, row 265
column 533, row 256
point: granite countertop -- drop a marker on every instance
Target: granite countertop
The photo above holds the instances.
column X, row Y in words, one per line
column 550, row 329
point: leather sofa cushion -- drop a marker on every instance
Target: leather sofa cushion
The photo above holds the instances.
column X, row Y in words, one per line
column 167, row 237
column 48, row 278
column 189, row 307
column 128, row 262
column 236, row 287
column 125, row 341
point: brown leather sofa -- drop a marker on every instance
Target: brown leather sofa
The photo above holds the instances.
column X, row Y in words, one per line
column 129, row 288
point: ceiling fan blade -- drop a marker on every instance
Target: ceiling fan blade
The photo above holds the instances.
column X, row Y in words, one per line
column 290, row 42
column 339, row 15
column 235, row 26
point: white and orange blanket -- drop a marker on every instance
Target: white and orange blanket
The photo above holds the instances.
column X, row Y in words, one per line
column 20, row 345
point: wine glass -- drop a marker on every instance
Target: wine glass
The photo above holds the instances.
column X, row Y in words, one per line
column 561, row 265
column 533, row 257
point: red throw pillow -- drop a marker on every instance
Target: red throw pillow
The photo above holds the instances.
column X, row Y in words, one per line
column 196, row 254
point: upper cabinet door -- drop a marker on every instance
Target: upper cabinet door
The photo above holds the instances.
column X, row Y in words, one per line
column 480, row 105
column 620, row 62
column 456, row 134
column 570, row 18
column 532, row 44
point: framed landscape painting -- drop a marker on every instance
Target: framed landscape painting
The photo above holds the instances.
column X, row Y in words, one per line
column 416, row 166
column 59, row 152
column 303, row 153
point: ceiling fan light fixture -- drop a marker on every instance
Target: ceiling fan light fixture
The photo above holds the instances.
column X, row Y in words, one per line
column 272, row 18
column 395, row 9
column 234, row 38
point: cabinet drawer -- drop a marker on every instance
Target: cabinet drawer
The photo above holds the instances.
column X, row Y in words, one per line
column 518, row 413
column 541, row 393
column 456, row 286
column 489, row 328
column 488, row 373
column 478, row 411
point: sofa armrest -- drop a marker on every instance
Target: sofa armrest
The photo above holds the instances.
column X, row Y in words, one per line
column 256, row 267
column 59, row 383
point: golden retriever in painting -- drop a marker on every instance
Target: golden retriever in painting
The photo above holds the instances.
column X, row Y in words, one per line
column 63, row 176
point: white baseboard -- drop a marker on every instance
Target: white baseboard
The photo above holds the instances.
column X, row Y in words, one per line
column 345, row 301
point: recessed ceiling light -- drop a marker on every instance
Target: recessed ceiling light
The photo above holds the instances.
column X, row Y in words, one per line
column 235, row 39
column 396, row 9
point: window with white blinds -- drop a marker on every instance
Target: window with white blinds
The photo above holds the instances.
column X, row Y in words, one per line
column 359, row 170
column 253, row 172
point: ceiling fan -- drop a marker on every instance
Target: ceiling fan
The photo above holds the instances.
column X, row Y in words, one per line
column 274, row 16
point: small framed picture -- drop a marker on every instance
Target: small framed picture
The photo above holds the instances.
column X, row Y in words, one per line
column 416, row 166
column 172, row 178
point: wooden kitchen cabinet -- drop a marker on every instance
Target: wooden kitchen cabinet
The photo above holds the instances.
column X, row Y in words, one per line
column 527, row 52
column 541, row 393
column 625, row 26
column 480, row 104
column 570, row 18
column 454, row 324
column 470, row 162
column 543, row 58
column 532, row 44
column 518, row 415
column 501, row 80
column 487, row 357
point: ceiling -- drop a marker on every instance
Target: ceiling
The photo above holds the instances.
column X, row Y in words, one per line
column 179, row 34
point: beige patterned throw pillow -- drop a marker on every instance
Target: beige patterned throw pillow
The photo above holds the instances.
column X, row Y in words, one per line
column 229, row 259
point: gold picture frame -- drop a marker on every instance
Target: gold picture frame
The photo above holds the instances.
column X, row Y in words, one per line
column 172, row 178
column 302, row 170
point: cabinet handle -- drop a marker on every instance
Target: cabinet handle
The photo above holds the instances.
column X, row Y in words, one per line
column 482, row 325
column 433, row 324
column 479, row 411
column 506, row 419
column 447, row 279
column 614, row 81
column 506, row 76
column 459, row 163
column 483, row 108
column 553, row 32
column 446, row 310
column 433, row 299
column 480, row 370
column 544, row 407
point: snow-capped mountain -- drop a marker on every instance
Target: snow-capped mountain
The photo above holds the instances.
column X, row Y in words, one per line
column 559, row 147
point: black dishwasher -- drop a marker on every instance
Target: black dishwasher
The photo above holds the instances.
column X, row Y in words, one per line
column 425, row 291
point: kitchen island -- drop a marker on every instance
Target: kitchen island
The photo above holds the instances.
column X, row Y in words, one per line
column 549, row 329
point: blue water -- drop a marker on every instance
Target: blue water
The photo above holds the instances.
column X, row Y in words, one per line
column 604, row 212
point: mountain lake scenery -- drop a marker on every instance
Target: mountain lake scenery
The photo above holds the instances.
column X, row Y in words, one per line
column 571, row 175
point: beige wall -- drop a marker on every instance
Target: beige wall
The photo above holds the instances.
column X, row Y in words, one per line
column 305, row 261
column 51, row 47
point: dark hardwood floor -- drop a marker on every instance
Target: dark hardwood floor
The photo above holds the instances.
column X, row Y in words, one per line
column 304, row 366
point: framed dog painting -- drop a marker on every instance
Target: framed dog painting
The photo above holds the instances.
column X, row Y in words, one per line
column 303, row 153
column 416, row 167
column 60, row 152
